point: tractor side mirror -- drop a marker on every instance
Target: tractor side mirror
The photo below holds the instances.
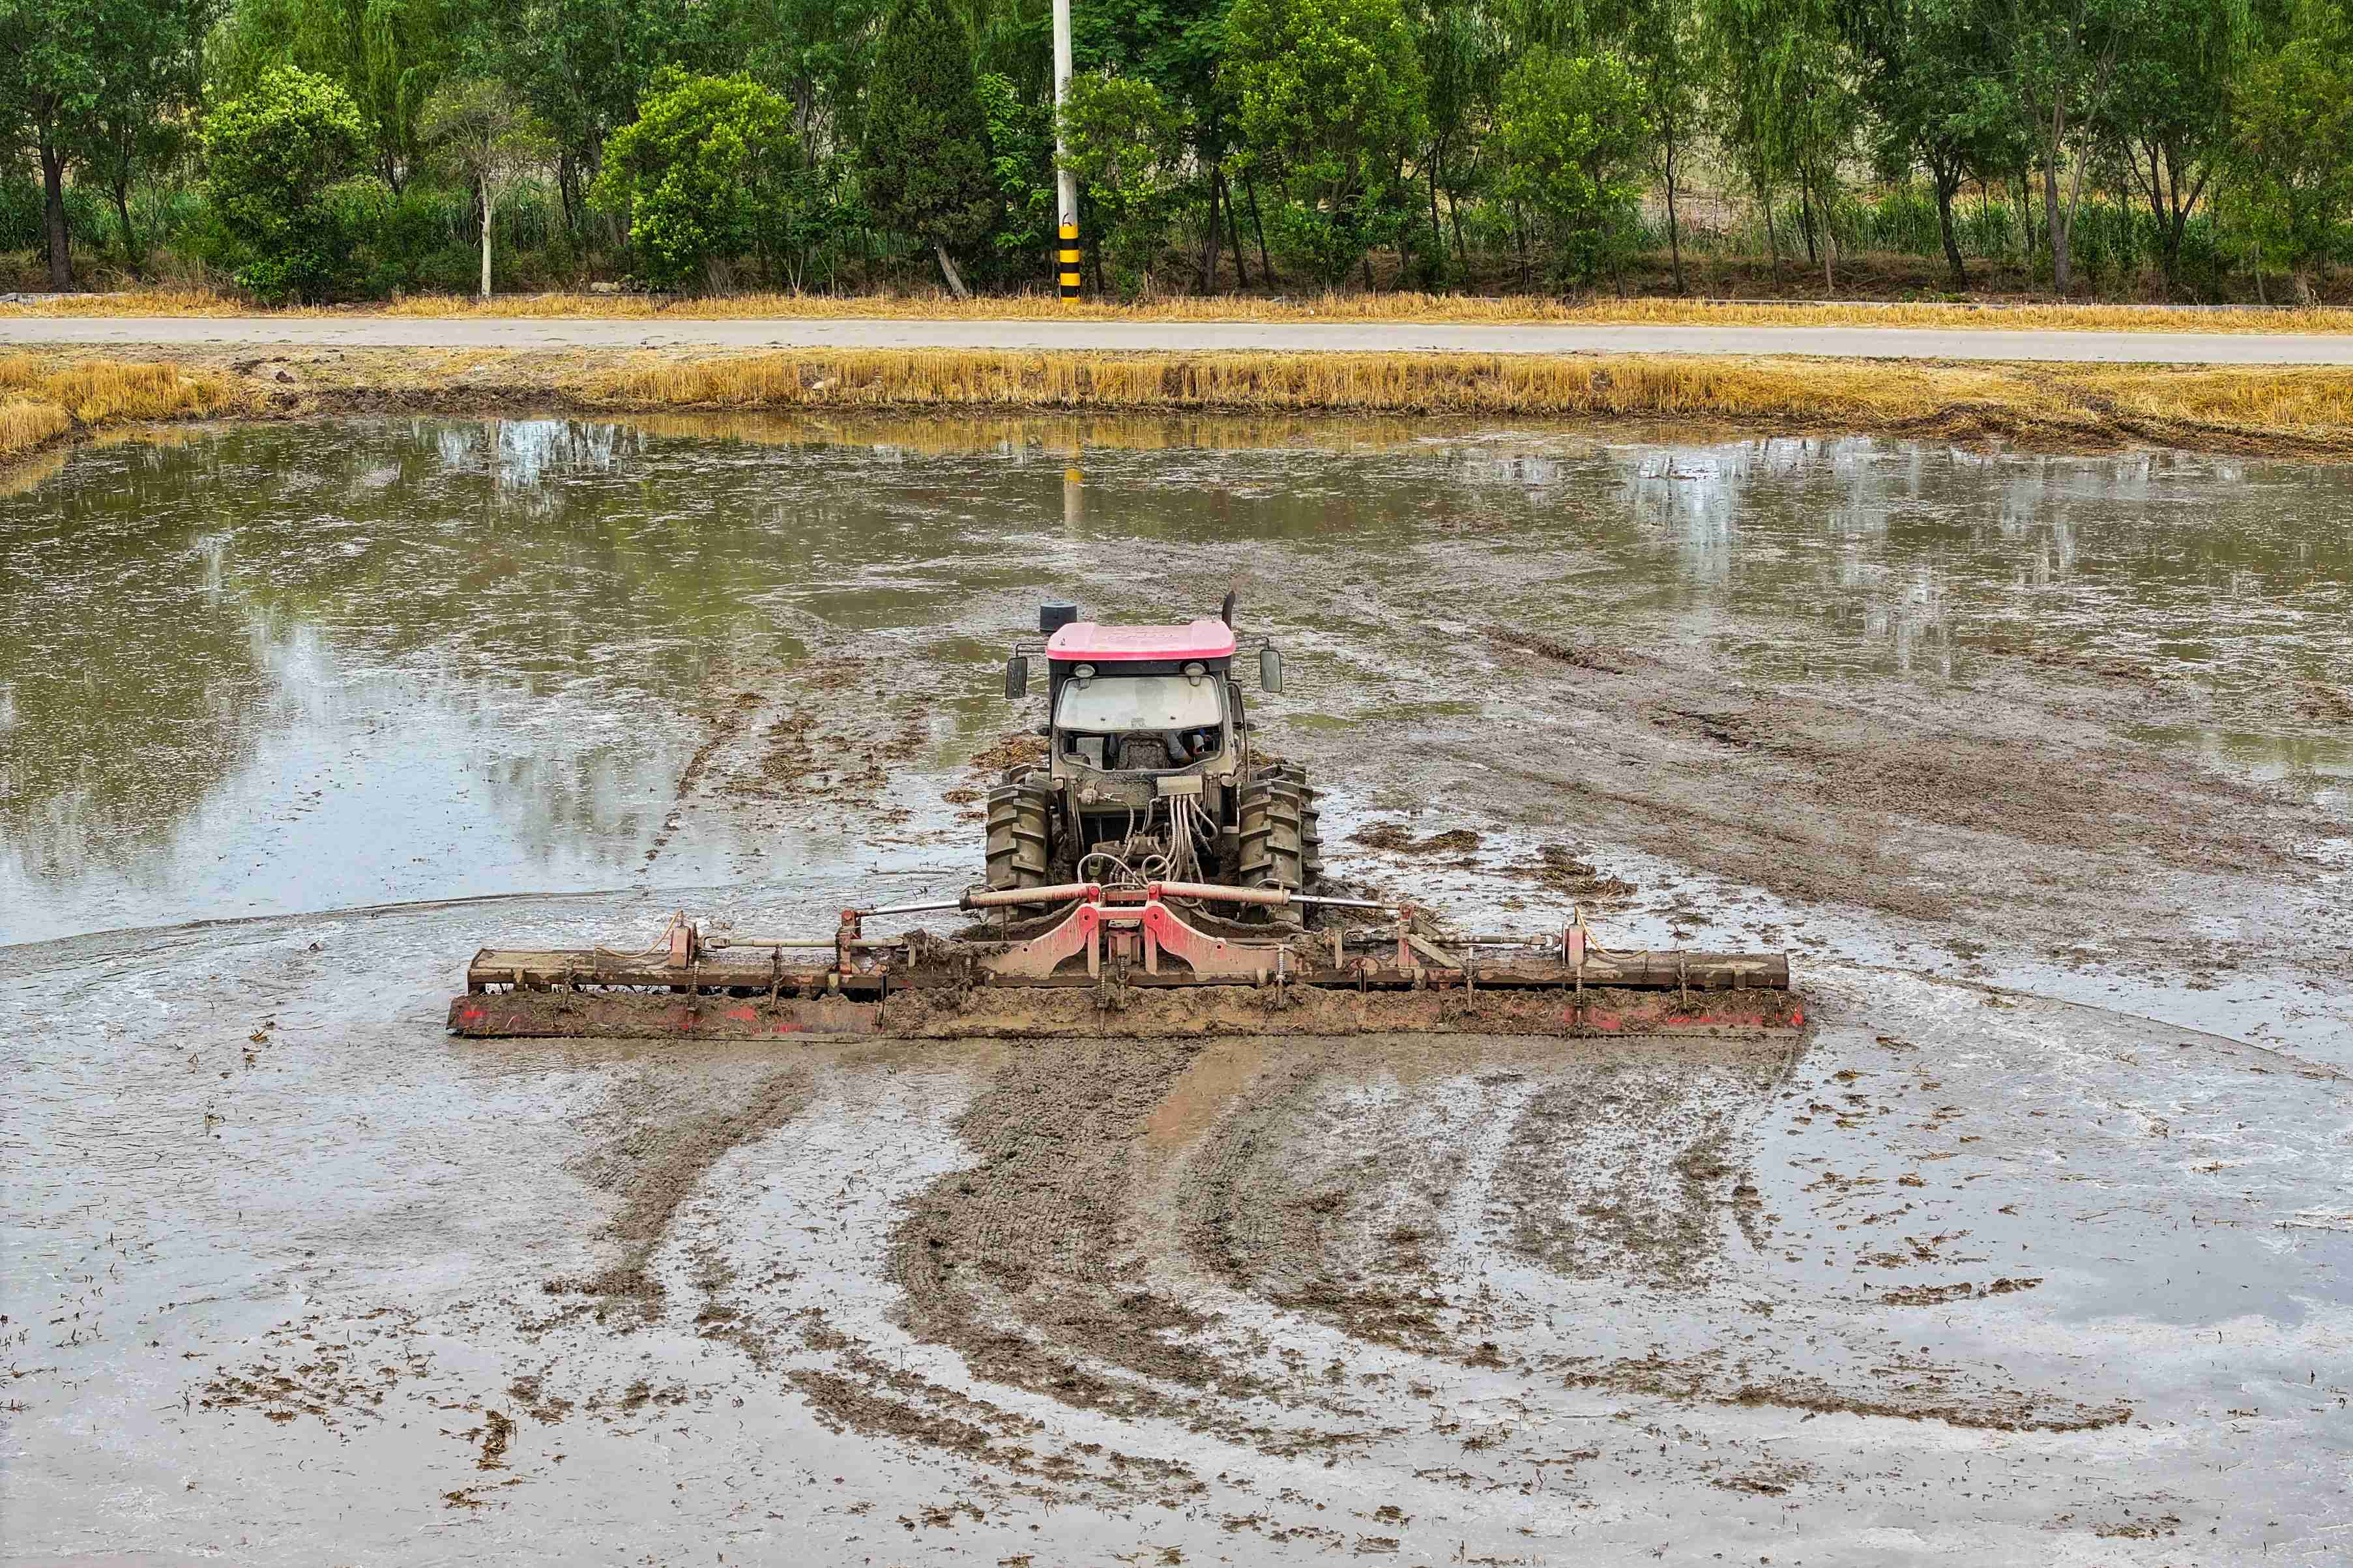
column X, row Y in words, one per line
column 1270, row 670
column 1016, row 678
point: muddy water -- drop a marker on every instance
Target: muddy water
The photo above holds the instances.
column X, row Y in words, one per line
column 2038, row 1247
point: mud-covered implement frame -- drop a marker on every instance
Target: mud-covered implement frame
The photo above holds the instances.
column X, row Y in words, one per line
column 1123, row 960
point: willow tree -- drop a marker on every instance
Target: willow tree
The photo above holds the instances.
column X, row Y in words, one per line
column 387, row 56
column 1786, row 107
column 1665, row 52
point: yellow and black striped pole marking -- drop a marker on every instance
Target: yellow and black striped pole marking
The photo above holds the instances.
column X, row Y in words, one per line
column 1070, row 260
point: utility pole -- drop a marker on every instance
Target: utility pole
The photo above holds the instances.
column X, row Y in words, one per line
column 1066, row 184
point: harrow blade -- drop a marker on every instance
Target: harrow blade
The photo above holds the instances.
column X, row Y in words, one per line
column 1082, row 1012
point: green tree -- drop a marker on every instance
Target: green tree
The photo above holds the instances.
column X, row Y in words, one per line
column 150, row 77
column 2293, row 146
column 1664, row 52
column 2170, row 113
column 1127, row 146
column 49, row 73
column 1571, row 134
column 925, row 149
column 1022, row 163
column 584, row 66
column 2062, row 69
column 387, row 55
column 702, row 174
column 1787, row 105
column 1180, row 48
column 271, row 156
column 478, row 132
column 90, row 83
column 1461, row 62
column 1330, row 100
column 1941, row 97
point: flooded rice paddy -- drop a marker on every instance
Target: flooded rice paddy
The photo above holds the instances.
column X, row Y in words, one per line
column 2038, row 1248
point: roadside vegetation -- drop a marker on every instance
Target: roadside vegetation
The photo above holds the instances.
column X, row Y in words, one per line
column 310, row 152
column 1401, row 305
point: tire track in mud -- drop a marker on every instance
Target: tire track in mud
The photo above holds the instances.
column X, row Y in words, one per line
column 1863, row 792
column 1622, row 1175
column 1630, row 1169
column 796, row 1311
column 1029, row 1266
column 659, row 1154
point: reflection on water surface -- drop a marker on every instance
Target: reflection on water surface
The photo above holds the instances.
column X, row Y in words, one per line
column 276, row 667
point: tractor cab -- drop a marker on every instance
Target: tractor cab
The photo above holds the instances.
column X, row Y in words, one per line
column 1142, row 700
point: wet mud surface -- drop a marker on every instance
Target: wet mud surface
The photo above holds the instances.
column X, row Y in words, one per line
column 2034, row 1248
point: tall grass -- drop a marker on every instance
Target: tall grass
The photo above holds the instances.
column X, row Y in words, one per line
column 2305, row 410
column 26, row 423
column 42, row 402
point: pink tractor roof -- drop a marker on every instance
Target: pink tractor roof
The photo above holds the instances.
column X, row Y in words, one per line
column 1207, row 638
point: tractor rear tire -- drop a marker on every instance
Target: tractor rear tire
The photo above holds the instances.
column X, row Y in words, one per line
column 1280, row 844
column 1021, row 835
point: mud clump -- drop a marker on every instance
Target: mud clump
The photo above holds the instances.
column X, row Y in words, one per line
column 332, row 1380
column 657, row 1156
column 497, row 1428
column 1557, row 868
column 1590, row 656
column 1395, row 838
column 1013, row 750
column 1903, row 1388
column 1938, row 1295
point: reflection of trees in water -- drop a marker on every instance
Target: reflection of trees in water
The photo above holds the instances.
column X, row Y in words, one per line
column 135, row 689
column 523, row 457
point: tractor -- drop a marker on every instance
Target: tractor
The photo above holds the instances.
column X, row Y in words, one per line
column 1150, row 774
column 1156, row 868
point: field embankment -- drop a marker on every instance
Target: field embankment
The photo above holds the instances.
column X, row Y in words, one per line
column 46, row 401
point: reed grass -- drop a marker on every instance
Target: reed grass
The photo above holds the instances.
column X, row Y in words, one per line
column 25, row 424
column 1400, row 307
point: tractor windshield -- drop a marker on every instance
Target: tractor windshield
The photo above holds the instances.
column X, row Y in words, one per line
column 1126, row 704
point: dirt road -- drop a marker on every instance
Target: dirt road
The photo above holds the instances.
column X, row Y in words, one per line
column 1836, row 342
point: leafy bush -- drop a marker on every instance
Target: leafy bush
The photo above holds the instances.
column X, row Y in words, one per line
column 1571, row 133
column 1127, row 148
column 273, row 155
column 703, row 175
column 1331, row 97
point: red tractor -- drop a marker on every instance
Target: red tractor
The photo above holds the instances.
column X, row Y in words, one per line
column 1150, row 773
